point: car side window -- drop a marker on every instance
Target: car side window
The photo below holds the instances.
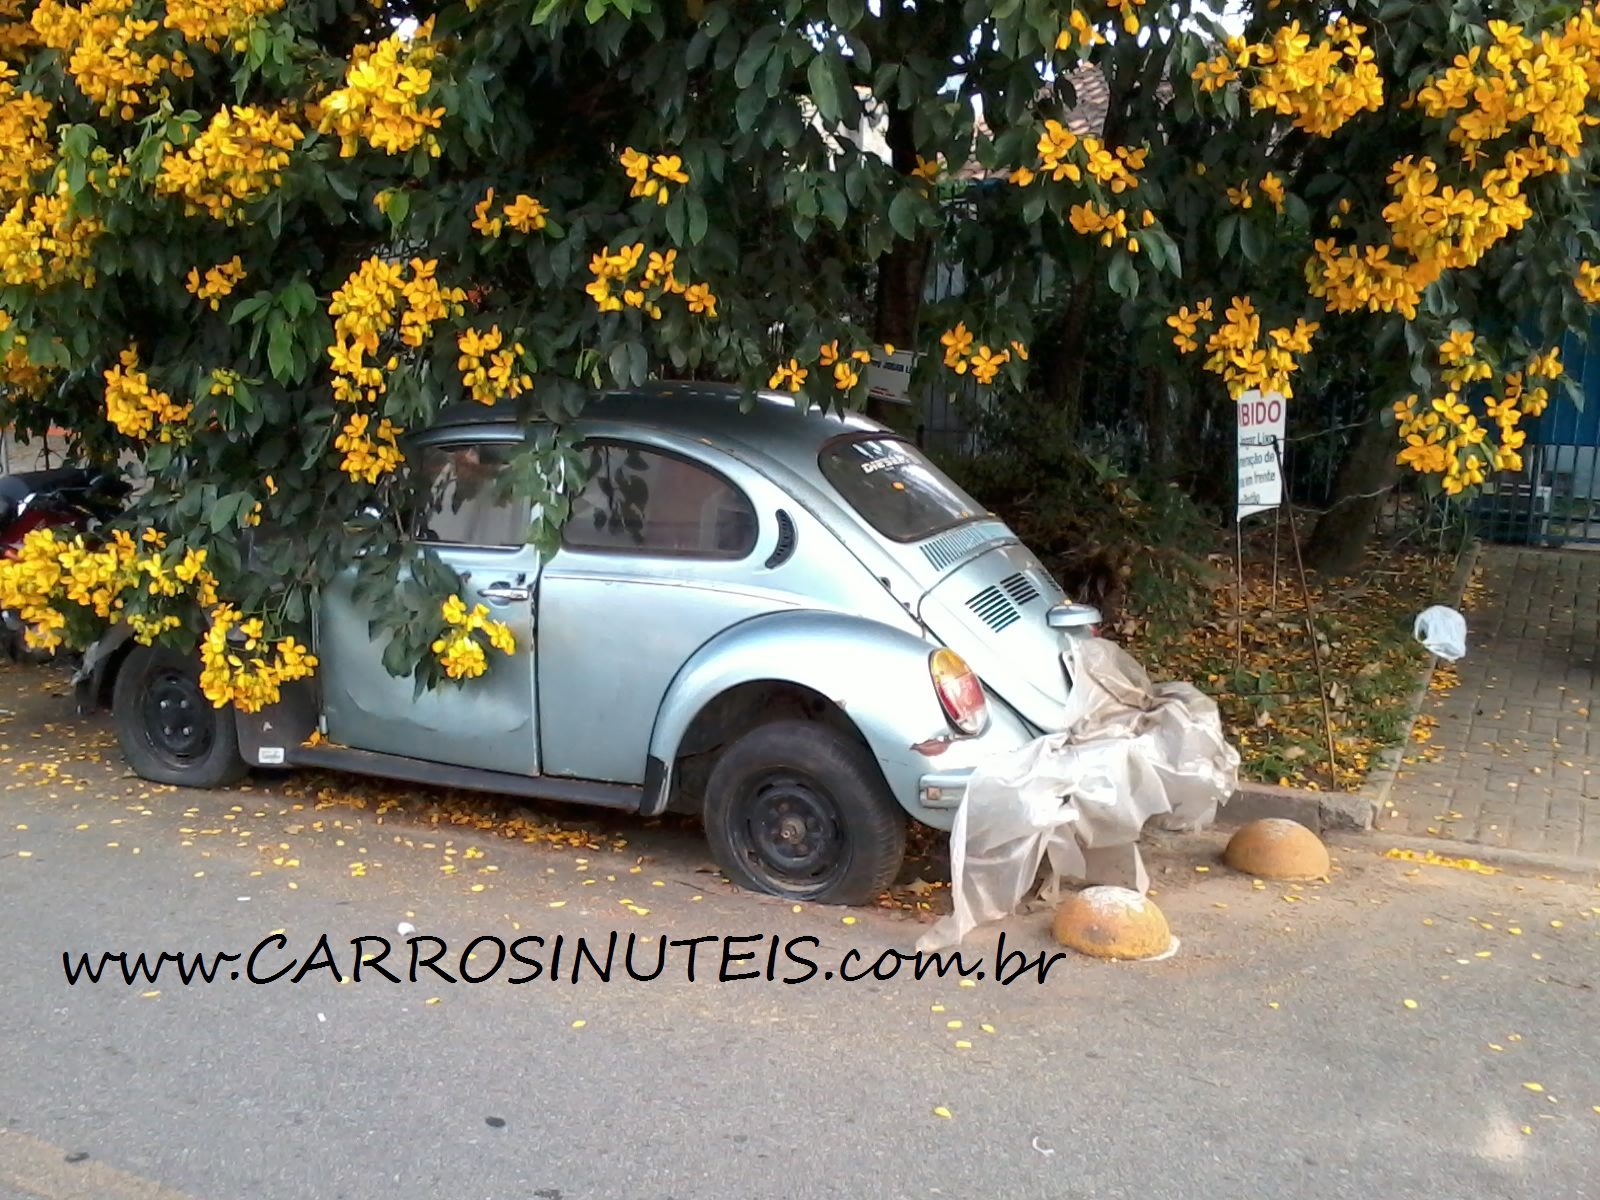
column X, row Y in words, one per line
column 465, row 502
column 644, row 501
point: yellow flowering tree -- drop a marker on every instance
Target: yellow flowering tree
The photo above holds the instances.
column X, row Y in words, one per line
column 252, row 244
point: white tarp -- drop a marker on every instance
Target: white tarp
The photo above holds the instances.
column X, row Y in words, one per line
column 1128, row 750
column 1443, row 631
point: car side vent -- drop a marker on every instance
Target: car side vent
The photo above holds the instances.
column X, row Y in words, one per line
column 787, row 537
column 950, row 548
column 1020, row 588
column 994, row 608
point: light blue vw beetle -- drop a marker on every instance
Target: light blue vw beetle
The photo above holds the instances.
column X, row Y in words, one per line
column 790, row 622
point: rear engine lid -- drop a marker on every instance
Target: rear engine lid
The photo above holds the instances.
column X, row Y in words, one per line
column 993, row 612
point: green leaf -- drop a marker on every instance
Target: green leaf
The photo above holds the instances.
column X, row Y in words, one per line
column 1252, row 240
column 1123, row 276
column 754, row 56
column 905, row 210
column 1226, row 229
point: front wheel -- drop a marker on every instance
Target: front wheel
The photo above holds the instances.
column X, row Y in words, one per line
column 799, row 810
column 169, row 731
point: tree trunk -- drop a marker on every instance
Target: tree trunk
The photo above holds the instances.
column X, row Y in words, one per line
column 1365, row 478
column 1063, row 361
column 901, row 272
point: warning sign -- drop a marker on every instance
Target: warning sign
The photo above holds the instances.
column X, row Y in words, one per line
column 1261, row 424
column 889, row 375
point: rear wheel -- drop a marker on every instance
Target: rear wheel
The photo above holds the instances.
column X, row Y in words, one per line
column 800, row 810
column 169, row 731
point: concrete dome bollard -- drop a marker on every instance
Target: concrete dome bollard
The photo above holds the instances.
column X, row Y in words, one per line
column 1112, row 922
column 1275, row 848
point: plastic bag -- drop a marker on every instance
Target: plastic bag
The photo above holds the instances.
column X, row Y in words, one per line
column 1443, row 631
column 1128, row 750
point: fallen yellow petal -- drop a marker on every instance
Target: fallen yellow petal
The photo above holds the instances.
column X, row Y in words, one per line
column 1534, row 1087
column 147, row 995
column 579, row 1024
column 1410, row 1003
column 987, row 1028
column 952, row 1024
column 942, row 1111
column 431, row 1000
column 1527, row 1129
column 849, row 920
column 963, row 1045
column 938, row 1008
column 558, row 904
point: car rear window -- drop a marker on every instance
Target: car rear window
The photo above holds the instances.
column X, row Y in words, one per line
column 894, row 486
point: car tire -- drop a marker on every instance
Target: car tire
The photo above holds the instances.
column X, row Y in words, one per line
column 169, row 731
column 800, row 810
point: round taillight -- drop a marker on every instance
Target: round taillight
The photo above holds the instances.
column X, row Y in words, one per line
column 959, row 690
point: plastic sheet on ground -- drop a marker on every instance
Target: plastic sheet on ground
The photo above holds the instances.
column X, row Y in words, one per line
column 1128, row 751
column 1443, row 631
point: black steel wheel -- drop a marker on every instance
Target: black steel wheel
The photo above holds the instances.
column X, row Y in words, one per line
column 168, row 730
column 179, row 722
column 800, row 810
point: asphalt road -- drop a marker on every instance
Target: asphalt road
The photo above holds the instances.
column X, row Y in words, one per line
column 1273, row 1055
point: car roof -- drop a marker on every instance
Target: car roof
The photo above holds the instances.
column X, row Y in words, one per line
column 775, row 422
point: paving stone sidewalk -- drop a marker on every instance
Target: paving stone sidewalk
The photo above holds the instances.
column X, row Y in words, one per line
column 1515, row 763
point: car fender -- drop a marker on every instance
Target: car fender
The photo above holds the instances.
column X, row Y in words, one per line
column 876, row 674
column 91, row 683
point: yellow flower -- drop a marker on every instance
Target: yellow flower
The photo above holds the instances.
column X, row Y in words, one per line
column 1240, row 196
column 651, row 176
column 957, row 345
column 1080, row 30
column 1547, row 365
column 482, row 221
column 927, row 170
column 238, row 158
column 383, row 100
column 790, row 375
column 135, row 408
column 986, row 364
column 845, row 376
column 700, row 299
column 1272, row 189
column 1587, row 281
column 526, row 215
column 219, row 281
column 1457, row 347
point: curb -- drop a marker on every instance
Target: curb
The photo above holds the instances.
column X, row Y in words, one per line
column 1517, row 862
column 1352, row 812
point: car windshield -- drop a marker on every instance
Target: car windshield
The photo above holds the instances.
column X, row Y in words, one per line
column 896, row 488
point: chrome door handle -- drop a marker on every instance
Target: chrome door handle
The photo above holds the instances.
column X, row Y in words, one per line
column 505, row 593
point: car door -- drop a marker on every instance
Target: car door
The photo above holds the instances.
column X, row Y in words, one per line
column 490, row 722
column 655, row 560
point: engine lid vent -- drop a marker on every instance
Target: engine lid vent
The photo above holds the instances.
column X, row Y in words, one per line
column 994, row 608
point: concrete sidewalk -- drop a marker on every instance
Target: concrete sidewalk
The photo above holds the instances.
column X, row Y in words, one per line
column 1512, row 762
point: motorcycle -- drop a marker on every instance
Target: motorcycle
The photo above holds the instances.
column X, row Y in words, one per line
column 72, row 499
